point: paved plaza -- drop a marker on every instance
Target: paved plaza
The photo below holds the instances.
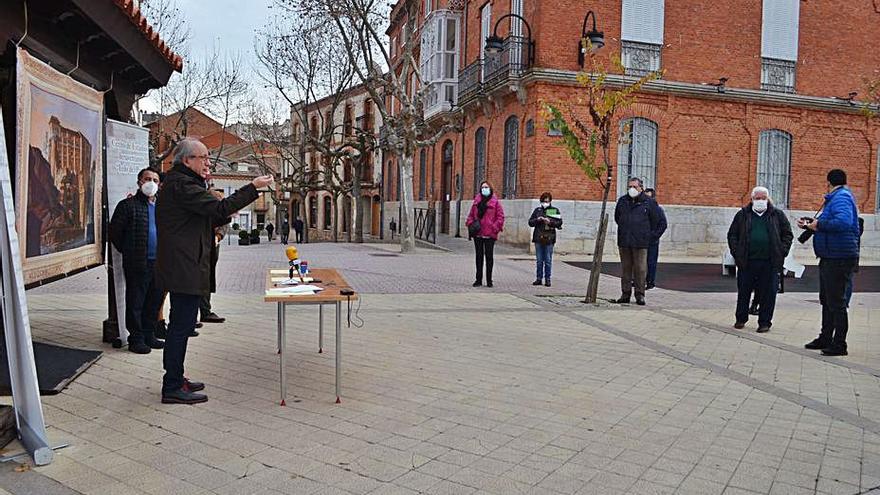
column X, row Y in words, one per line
column 448, row 389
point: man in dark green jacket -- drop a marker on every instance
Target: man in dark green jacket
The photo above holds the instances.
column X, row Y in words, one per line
column 186, row 215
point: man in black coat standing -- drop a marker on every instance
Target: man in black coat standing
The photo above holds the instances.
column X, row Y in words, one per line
column 759, row 238
column 186, row 216
column 132, row 232
column 638, row 222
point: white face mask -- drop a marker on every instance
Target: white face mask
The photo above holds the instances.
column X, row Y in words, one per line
column 633, row 192
column 545, row 205
column 486, row 191
column 759, row 205
column 149, row 188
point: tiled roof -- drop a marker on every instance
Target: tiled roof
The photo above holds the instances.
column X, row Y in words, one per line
column 130, row 8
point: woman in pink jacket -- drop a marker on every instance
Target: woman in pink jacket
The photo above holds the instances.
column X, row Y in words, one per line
column 484, row 223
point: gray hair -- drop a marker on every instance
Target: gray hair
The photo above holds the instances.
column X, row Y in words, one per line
column 185, row 149
column 760, row 189
column 641, row 184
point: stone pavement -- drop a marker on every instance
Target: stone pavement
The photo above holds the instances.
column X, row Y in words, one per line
column 449, row 389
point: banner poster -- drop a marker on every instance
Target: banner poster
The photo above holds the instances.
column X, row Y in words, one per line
column 127, row 154
column 59, row 171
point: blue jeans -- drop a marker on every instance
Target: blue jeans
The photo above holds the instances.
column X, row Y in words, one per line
column 181, row 323
column 761, row 278
column 544, row 257
column 653, row 254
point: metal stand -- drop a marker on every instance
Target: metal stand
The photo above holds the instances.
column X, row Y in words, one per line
column 320, row 328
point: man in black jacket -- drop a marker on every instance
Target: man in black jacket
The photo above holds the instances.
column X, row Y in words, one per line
column 638, row 222
column 186, row 215
column 132, row 232
column 654, row 246
column 759, row 238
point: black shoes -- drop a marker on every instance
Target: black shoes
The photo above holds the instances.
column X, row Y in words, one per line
column 212, row 318
column 478, row 284
column 622, row 300
column 763, row 329
column 489, row 284
column 182, row 396
column 199, row 324
column 161, row 330
column 739, row 325
column 138, row 348
column 547, row 283
column 649, row 286
column 753, row 310
column 189, row 386
column 817, row 344
column 154, row 343
column 194, row 334
column 640, row 300
column 835, row 350
column 537, row 281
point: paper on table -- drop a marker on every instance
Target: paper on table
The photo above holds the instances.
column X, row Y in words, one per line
column 290, row 281
column 296, row 290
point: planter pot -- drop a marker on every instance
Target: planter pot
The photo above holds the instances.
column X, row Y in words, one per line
column 244, row 242
column 255, row 240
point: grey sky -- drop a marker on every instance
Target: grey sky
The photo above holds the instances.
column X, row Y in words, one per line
column 228, row 25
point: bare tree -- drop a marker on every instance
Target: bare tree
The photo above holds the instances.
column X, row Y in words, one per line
column 167, row 19
column 360, row 30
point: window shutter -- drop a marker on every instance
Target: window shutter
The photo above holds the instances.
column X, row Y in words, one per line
column 642, row 21
column 779, row 33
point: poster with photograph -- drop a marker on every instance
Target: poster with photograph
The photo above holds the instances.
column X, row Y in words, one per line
column 59, row 171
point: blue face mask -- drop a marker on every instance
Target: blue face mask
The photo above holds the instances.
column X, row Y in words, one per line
column 486, row 191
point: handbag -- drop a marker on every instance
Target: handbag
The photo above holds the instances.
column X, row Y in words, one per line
column 474, row 228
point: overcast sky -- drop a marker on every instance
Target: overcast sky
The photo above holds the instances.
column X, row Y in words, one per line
column 229, row 25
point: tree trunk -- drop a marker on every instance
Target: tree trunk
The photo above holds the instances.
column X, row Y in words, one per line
column 358, row 203
column 599, row 249
column 346, row 217
column 407, row 233
column 334, row 219
column 304, row 214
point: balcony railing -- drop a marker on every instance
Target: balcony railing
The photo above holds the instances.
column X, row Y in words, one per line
column 511, row 63
column 778, row 75
column 469, row 85
column 640, row 59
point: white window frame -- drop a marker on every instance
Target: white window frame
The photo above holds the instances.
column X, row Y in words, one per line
column 642, row 21
column 775, row 176
column 485, row 32
column 440, row 87
column 641, row 162
column 780, row 21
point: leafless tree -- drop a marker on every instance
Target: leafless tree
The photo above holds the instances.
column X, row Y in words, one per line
column 167, row 19
column 360, row 31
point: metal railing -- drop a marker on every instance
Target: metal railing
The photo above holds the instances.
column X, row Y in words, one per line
column 469, row 85
column 511, row 63
column 640, row 59
column 778, row 75
column 426, row 224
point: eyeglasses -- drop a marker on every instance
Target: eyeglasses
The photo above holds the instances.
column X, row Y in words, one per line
column 200, row 157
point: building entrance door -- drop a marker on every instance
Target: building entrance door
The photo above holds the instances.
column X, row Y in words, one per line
column 446, row 187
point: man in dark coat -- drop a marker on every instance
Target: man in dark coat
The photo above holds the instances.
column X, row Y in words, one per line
column 270, row 229
column 298, row 227
column 759, row 239
column 132, row 232
column 285, row 231
column 638, row 222
column 187, row 214
column 654, row 247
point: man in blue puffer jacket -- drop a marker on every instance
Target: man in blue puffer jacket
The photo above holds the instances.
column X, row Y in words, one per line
column 836, row 244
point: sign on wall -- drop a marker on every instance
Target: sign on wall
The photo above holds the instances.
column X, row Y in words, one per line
column 59, row 171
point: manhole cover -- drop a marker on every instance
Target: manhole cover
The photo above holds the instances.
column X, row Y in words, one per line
column 385, row 255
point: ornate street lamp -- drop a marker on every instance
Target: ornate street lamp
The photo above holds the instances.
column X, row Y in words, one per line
column 597, row 38
column 495, row 44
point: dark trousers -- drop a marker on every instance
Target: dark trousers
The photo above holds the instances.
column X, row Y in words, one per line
column 834, row 277
column 485, row 249
column 634, row 265
column 299, row 236
column 269, row 234
column 759, row 276
column 653, row 254
column 181, row 323
column 544, row 261
column 142, row 301
column 204, row 306
column 284, row 237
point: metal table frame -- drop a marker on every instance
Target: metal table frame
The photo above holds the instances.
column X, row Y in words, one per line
column 282, row 341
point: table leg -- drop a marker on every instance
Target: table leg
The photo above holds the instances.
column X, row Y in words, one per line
column 278, row 316
column 320, row 328
column 338, row 347
column 282, row 348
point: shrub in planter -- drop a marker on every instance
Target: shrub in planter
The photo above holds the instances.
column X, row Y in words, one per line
column 236, row 227
column 255, row 236
column 243, row 238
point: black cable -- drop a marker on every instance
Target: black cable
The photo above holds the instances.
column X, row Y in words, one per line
column 357, row 312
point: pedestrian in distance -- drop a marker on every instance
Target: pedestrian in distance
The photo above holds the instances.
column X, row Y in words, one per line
column 186, row 216
column 284, row 231
column 638, row 222
column 836, row 243
column 545, row 220
column 654, row 246
column 759, row 239
column 270, row 230
column 298, row 227
column 484, row 222
column 132, row 232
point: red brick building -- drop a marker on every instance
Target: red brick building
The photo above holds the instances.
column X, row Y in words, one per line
column 782, row 118
column 191, row 122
